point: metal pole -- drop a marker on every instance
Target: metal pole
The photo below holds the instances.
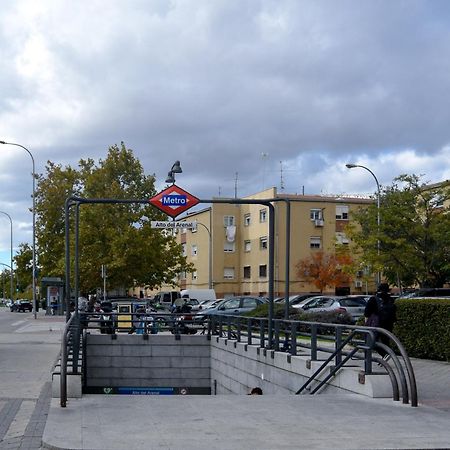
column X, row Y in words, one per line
column 271, row 269
column 210, row 283
column 34, row 224
column 11, row 277
column 67, row 244
column 287, row 258
column 351, row 166
column 76, row 265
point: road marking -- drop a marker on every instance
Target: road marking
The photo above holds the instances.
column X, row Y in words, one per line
column 20, row 422
column 19, row 322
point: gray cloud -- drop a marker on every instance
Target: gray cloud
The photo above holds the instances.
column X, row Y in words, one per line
column 313, row 84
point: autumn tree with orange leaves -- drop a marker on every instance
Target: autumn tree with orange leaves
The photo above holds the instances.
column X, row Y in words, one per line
column 326, row 269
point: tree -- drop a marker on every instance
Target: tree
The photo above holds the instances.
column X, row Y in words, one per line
column 326, row 269
column 414, row 233
column 23, row 268
column 118, row 236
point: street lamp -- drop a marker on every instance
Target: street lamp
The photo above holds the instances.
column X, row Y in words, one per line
column 34, row 224
column 352, row 166
column 210, row 282
column 176, row 168
column 10, row 220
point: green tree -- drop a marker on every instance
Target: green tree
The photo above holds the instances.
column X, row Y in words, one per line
column 414, row 233
column 23, row 268
column 116, row 235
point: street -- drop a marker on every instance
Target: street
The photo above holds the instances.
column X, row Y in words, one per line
column 28, row 349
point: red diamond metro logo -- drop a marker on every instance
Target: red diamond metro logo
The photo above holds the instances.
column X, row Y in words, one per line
column 174, row 200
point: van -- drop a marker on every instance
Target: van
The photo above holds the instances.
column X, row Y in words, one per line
column 166, row 298
column 199, row 294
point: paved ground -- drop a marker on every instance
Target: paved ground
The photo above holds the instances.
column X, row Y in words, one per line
column 244, row 423
column 201, row 422
column 28, row 349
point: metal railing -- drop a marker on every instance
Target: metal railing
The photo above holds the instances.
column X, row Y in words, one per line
column 70, row 350
column 343, row 342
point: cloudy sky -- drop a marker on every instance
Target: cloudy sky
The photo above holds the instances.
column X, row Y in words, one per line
column 253, row 93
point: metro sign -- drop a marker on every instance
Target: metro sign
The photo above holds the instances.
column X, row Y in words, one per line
column 174, row 200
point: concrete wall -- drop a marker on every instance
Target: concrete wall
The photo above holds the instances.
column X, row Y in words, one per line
column 160, row 361
column 224, row 366
column 237, row 367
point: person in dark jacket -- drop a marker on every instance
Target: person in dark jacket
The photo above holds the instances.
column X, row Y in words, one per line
column 387, row 315
column 371, row 313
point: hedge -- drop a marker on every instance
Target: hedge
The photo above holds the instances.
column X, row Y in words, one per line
column 423, row 327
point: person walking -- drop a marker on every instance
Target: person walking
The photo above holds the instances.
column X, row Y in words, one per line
column 387, row 316
column 371, row 313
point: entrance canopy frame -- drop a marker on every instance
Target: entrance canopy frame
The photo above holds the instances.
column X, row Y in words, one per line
column 78, row 201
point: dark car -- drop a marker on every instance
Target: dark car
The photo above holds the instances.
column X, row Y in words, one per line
column 21, row 306
column 427, row 292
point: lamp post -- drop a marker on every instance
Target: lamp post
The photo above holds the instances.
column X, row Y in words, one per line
column 352, row 166
column 210, row 282
column 10, row 221
column 34, row 224
column 176, row 168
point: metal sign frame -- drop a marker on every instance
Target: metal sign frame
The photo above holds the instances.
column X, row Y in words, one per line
column 77, row 201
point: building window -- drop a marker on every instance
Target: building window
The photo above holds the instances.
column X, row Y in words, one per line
column 316, row 214
column 183, row 275
column 247, row 219
column 247, row 272
column 194, row 228
column 247, row 246
column 263, row 243
column 228, row 221
column 314, row 242
column 228, row 273
column 228, row 247
column 263, row 271
column 194, row 250
column 262, row 215
column 183, row 249
column 194, row 275
column 341, row 212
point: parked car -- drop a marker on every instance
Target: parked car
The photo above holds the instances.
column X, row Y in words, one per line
column 297, row 299
column 206, row 304
column 21, row 306
column 231, row 306
column 427, row 292
column 352, row 305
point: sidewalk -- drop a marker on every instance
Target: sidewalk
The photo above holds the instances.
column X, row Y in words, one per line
column 256, row 422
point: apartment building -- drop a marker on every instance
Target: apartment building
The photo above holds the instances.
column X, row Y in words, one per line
column 229, row 245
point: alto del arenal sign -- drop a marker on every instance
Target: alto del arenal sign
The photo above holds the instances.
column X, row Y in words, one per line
column 174, row 200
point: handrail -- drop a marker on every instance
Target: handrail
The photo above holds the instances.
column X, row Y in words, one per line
column 64, row 355
column 407, row 380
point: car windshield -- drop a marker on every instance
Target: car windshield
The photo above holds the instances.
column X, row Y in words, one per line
column 358, row 302
column 231, row 304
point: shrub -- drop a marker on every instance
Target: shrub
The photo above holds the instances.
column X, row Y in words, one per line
column 423, row 327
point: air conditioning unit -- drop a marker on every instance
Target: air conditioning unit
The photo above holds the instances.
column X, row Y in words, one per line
column 358, row 284
column 318, row 223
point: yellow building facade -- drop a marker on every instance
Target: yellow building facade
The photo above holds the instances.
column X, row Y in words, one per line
column 229, row 247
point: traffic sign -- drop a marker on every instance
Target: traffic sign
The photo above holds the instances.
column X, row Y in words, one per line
column 174, row 200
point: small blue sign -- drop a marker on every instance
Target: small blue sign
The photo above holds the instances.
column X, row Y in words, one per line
column 145, row 391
